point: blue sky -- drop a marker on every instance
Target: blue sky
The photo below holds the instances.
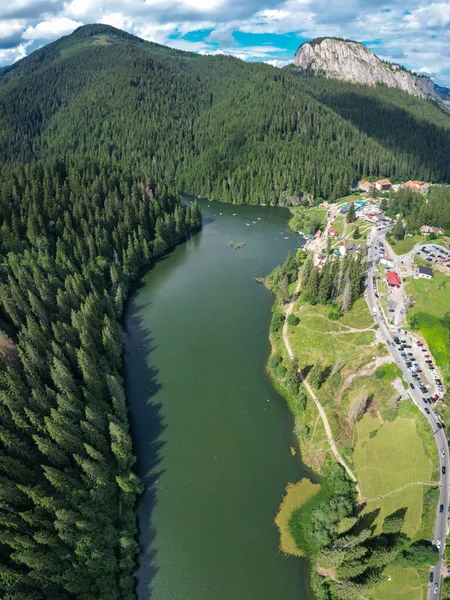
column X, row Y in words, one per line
column 413, row 33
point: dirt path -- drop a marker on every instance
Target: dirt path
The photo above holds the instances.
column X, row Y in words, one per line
column 310, row 391
column 369, row 370
column 431, row 484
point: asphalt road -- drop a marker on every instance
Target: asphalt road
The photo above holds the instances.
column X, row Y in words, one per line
column 440, row 434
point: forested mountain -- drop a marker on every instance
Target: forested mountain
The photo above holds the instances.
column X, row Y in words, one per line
column 214, row 125
column 73, row 235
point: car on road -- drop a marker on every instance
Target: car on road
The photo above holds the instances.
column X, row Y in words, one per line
column 427, row 410
column 441, row 508
column 431, row 576
column 443, row 470
column 439, row 426
column 436, row 588
column 412, row 386
column 438, row 543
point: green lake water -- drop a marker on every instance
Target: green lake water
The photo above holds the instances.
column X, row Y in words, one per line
column 211, row 435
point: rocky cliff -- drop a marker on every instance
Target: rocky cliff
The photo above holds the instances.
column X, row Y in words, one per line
column 352, row 61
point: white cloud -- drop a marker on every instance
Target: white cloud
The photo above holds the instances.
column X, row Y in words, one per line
column 11, row 55
column 51, row 29
column 11, row 27
column 415, row 33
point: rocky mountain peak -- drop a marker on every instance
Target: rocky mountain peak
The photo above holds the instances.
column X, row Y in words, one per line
column 354, row 62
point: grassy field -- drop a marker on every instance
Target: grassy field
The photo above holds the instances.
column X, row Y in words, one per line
column 389, row 448
column 297, row 494
column 302, row 217
column 392, row 464
column 404, row 246
column 432, row 294
column 403, row 583
column 428, row 293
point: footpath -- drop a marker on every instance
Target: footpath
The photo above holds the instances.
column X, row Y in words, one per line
column 310, row 391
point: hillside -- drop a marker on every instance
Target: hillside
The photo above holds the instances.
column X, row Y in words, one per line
column 213, row 125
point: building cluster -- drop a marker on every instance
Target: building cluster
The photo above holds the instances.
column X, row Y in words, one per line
column 426, row 230
column 385, row 185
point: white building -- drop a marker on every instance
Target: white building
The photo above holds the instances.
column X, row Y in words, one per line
column 425, row 273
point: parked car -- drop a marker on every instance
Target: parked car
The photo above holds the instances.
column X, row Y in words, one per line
column 441, row 508
column 443, row 473
column 427, row 410
column 412, row 386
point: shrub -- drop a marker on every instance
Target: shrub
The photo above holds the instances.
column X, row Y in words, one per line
column 277, row 322
column 275, row 361
column 335, row 314
column 293, row 319
column 373, row 433
column 380, row 373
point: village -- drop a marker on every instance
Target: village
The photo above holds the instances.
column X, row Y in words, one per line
column 341, row 237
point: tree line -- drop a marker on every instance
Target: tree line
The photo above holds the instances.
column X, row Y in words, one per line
column 74, row 233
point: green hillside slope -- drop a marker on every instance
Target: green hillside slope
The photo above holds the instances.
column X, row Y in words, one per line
column 214, row 125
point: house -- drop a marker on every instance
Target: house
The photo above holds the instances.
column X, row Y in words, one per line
column 332, row 232
column 393, row 279
column 384, row 185
column 426, row 230
column 425, row 273
column 365, row 186
column 417, row 186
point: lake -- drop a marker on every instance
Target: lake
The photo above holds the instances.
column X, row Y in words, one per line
column 211, row 435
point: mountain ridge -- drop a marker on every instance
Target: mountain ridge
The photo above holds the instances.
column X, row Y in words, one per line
column 214, row 126
column 354, row 62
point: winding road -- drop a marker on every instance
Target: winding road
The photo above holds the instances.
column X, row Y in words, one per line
column 440, row 533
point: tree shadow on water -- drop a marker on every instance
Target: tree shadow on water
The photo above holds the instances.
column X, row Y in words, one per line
column 147, row 425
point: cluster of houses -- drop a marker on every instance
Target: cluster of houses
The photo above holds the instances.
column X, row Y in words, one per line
column 368, row 211
column 426, row 230
column 385, row 185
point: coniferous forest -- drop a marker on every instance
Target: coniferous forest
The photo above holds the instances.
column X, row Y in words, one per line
column 213, row 125
column 74, row 234
column 98, row 132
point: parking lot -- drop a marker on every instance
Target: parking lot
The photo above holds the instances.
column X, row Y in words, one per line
column 418, row 361
column 435, row 254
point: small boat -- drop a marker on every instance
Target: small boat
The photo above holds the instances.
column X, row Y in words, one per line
column 254, row 222
column 259, row 218
column 286, row 238
column 214, row 215
column 281, row 232
column 220, row 214
column 248, row 224
column 234, row 214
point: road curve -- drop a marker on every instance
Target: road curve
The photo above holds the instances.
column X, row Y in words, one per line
column 440, row 532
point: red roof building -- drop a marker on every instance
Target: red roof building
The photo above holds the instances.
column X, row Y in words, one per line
column 332, row 231
column 418, row 186
column 383, row 185
column 393, row 279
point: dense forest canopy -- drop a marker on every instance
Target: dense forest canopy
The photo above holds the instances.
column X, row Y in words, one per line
column 214, row 125
column 73, row 235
